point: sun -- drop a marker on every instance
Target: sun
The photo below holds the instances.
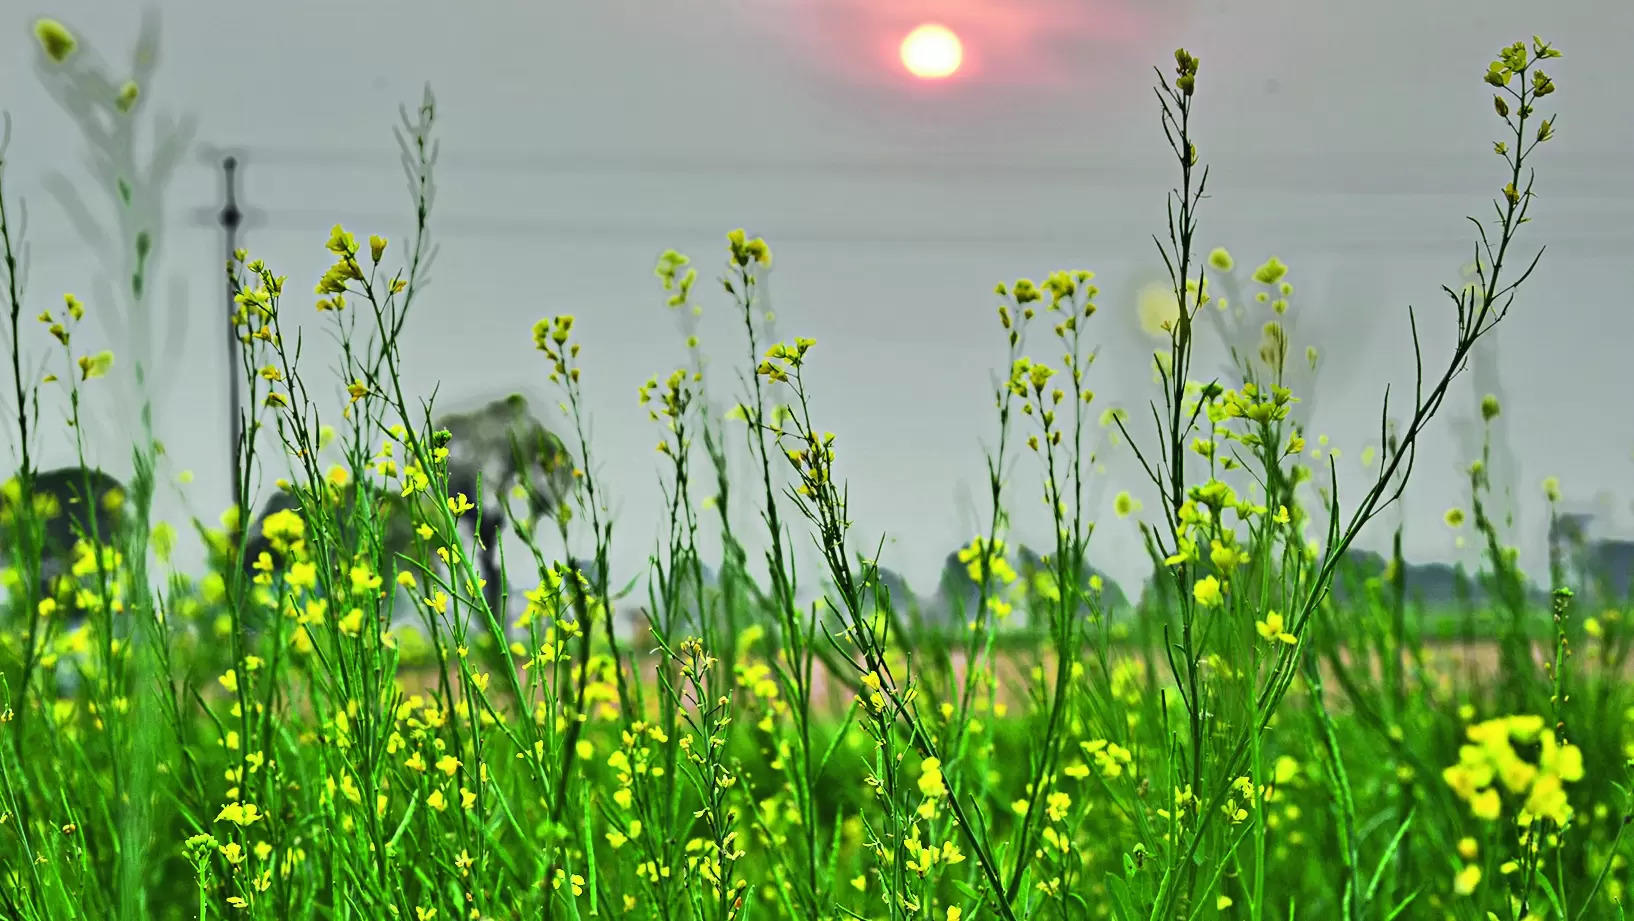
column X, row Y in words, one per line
column 932, row 52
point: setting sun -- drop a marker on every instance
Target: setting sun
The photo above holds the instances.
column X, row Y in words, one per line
column 932, row 52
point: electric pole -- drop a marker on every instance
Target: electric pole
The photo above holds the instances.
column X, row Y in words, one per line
column 233, row 219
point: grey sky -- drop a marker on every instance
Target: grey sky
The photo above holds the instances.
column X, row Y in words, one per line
column 581, row 138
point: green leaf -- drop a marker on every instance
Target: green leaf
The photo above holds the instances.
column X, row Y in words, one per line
column 834, row 743
column 1121, row 900
column 1389, row 853
column 1400, row 906
column 402, row 826
column 589, row 847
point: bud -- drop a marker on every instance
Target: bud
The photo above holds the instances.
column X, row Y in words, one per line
column 126, row 100
column 55, row 39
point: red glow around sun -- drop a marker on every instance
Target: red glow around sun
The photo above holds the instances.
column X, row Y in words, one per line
column 1005, row 46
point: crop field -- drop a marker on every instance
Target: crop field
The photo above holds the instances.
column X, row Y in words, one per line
column 357, row 709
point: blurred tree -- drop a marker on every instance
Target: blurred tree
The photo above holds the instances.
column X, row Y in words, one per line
column 497, row 451
column 73, row 503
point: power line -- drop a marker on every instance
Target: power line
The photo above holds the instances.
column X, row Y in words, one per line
column 1339, row 235
column 1320, row 235
column 1347, row 173
column 1336, row 233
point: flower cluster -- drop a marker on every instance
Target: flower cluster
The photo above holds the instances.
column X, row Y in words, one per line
column 1493, row 762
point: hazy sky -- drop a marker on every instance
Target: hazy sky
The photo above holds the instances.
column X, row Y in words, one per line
column 582, row 138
